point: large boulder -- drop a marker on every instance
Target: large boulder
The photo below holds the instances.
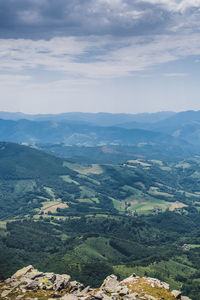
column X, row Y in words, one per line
column 110, row 284
column 22, row 272
column 176, row 294
column 61, row 282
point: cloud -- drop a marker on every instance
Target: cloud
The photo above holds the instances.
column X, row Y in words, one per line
column 90, row 39
column 50, row 18
column 95, row 57
column 175, row 74
column 174, row 5
column 45, row 19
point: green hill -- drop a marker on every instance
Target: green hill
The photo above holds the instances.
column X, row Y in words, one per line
column 84, row 219
column 33, row 183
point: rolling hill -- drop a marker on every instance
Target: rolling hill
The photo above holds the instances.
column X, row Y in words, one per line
column 73, row 133
column 35, row 183
column 84, row 219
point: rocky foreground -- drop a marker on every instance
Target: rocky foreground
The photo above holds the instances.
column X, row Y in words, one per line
column 28, row 283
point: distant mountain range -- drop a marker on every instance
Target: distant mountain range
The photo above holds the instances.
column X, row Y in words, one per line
column 99, row 119
column 101, row 128
column 72, row 133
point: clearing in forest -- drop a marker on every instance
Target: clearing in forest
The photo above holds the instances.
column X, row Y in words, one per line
column 93, row 169
column 51, row 206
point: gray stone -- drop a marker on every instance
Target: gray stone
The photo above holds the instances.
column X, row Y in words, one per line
column 5, row 293
column 185, row 298
column 176, row 294
column 66, row 277
column 50, row 276
column 149, row 297
column 98, row 295
column 110, row 284
column 106, row 297
column 75, row 286
column 33, row 285
column 86, row 289
column 129, row 279
column 131, row 296
column 157, row 283
column 15, row 284
column 69, row 297
column 61, row 282
column 115, row 296
column 7, row 281
column 23, row 272
column 34, row 274
column 124, row 291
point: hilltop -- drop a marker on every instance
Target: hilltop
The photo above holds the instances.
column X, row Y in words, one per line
column 29, row 283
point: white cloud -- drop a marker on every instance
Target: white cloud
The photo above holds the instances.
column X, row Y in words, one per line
column 185, row 4
column 175, row 74
column 96, row 57
column 176, row 5
column 30, row 17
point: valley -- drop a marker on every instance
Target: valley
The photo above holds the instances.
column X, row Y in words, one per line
column 82, row 218
column 90, row 211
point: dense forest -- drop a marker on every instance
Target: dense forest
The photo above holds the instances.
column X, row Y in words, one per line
column 90, row 220
column 89, row 248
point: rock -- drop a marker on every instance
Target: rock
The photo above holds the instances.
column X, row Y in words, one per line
column 69, row 297
column 157, row 283
column 115, row 296
column 61, row 282
column 29, row 278
column 131, row 296
column 149, row 297
column 130, row 279
column 7, row 281
column 106, row 297
column 98, row 295
column 23, row 272
column 110, row 284
column 124, row 291
column 86, row 289
column 50, row 276
column 15, row 284
column 5, row 293
column 66, row 277
column 33, row 285
column 75, row 286
column 44, row 283
column 176, row 294
column 34, row 274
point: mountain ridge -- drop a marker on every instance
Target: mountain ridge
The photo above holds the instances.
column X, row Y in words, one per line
column 100, row 118
column 29, row 282
column 73, row 133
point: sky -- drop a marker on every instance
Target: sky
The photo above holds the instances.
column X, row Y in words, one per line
column 119, row 56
